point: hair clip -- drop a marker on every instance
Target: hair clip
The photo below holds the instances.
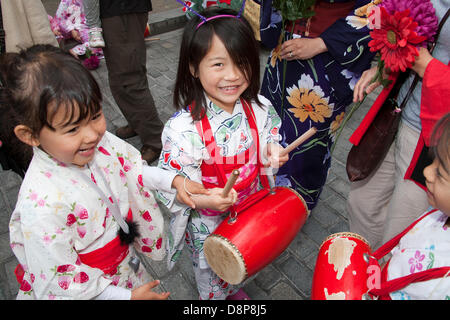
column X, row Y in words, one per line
column 204, row 20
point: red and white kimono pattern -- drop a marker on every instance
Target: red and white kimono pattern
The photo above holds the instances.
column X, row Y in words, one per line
column 424, row 247
column 185, row 152
column 60, row 217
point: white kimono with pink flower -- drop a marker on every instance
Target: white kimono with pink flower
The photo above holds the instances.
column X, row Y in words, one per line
column 60, row 214
column 425, row 246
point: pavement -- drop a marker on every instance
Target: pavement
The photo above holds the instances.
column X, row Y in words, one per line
column 288, row 277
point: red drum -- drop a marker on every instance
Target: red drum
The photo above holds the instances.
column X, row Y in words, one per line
column 261, row 232
column 341, row 268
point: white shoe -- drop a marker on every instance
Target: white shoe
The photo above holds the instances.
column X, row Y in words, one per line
column 96, row 38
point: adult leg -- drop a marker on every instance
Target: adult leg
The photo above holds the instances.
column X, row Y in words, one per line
column 92, row 12
column 368, row 200
column 125, row 55
column 408, row 200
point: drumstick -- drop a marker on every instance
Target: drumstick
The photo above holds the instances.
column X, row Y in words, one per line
column 152, row 39
column 308, row 134
column 230, row 183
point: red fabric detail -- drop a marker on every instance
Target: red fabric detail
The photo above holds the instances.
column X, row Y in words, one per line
column 256, row 197
column 19, row 272
column 401, row 282
column 106, row 258
column 225, row 165
column 388, row 246
column 365, row 123
column 325, row 15
column 412, row 165
column 383, row 280
column 435, row 96
column 110, row 256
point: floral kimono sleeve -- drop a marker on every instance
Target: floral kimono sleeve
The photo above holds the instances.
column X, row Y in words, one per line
column 70, row 16
column 126, row 172
column 181, row 153
column 272, row 123
column 44, row 245
column 347, row 39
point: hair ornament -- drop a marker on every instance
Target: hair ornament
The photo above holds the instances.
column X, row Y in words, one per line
column 204, row 20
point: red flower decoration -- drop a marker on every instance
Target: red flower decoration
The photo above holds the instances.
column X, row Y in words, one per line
column 228, row 2
column 396, row 40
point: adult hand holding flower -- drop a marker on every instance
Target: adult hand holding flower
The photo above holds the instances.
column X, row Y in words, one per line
column 400, row 28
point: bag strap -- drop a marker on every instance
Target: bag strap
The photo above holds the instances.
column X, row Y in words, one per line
column 431, row 48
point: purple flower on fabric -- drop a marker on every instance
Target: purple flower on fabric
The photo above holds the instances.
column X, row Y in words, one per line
column 92, row 62
column 420, row 11
column 416, row 262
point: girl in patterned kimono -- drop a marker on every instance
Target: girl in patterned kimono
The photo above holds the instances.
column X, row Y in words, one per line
column 419, row 265
column 222, row 125
column 69, row 22
column 323, row 57
column 83, row 185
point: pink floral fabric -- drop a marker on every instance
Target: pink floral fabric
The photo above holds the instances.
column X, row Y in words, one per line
column 70, row 16
column 425, row 246
column 59, row 215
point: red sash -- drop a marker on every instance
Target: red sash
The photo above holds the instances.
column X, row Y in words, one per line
column 388, row 286
column 222, row 166
column 106, row 258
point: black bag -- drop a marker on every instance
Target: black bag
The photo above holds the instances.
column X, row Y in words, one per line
column 365, row 157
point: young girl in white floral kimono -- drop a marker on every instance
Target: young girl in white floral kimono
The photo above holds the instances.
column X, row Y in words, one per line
column 222, row 125
column 83, row 185
column 419, row 266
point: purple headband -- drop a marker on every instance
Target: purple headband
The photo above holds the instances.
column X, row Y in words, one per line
column 204, row 20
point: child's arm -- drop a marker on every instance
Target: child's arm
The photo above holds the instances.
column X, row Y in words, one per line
column 270, row 138
column 164, row 180
column 143, row 292
column 215, row 200
column 273, row 152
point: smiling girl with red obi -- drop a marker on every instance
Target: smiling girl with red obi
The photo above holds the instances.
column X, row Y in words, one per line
column 222, row 125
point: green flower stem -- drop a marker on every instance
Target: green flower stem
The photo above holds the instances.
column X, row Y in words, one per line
column 344, row 122
column 283, row 94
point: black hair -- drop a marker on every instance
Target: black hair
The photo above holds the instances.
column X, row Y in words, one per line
column 40, row 80
column 440, row 141
column 239, row 40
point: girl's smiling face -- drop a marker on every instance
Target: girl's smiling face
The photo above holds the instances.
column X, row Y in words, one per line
column 437, row 181
column 223, row 81
column 72, row 142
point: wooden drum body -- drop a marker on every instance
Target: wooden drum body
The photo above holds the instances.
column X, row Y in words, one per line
column 341, row 268
column 259, row 234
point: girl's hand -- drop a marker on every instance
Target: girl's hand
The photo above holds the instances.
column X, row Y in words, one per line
column 215, row 200
column 274, row 157
column 76, row 35
column 187, row 187
column 302, row 48
column 145, row 292
column 364, row 85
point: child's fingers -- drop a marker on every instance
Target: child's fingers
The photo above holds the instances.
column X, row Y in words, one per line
column 160, row 296
column 157, row 296
column 187, row 200
column 152, row 284
column 199, row 189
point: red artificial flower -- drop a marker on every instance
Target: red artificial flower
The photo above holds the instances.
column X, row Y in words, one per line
column 396, row 40
column 228, row 2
